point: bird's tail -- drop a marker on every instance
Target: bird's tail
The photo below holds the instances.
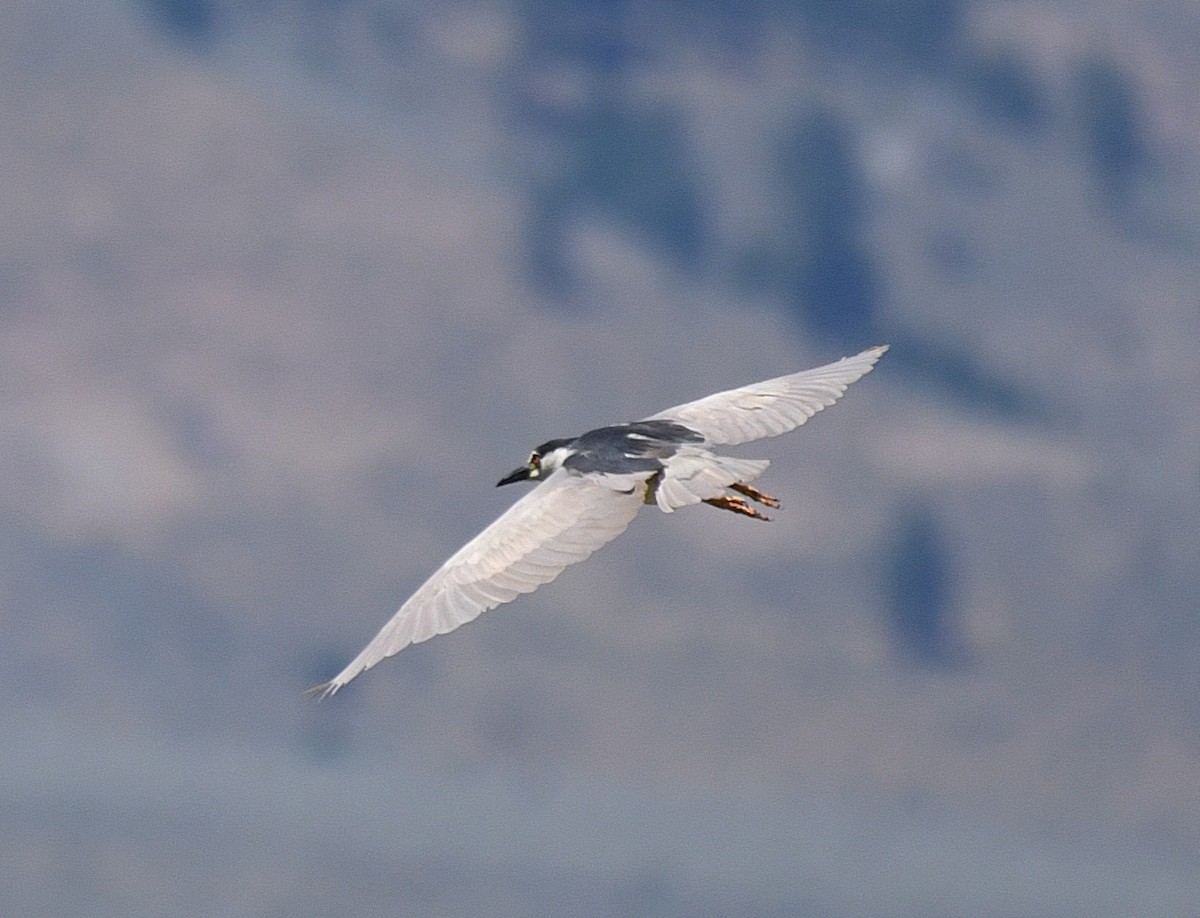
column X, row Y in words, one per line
column 693, row 476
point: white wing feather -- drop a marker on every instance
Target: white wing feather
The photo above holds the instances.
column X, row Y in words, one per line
column 560, row 522
column 770, row 408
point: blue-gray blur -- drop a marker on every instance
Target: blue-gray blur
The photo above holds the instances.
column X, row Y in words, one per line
column 285, row 287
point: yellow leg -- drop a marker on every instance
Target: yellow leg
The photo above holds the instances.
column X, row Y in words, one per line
column 755, row 494
column 652, row 488
column 735, row 505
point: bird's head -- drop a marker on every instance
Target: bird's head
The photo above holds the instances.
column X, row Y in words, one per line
column 542, row 461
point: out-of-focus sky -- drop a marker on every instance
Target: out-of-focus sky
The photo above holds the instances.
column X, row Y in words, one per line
column 284, row 290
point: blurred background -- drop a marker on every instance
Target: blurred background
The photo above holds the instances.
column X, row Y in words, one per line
column 286, row 287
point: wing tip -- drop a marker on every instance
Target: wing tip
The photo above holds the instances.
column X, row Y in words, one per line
column 875, row 352
column 864, row 360
column 323, row 691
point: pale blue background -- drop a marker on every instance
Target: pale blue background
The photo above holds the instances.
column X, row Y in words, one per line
column 286, row 287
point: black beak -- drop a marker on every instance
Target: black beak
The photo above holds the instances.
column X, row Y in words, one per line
column 518, row 475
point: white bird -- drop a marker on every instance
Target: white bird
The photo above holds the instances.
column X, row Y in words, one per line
column 592, row 486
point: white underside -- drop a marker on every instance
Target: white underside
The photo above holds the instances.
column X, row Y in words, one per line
column 694, row 474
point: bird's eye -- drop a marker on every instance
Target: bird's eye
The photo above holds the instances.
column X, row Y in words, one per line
column 535, row 460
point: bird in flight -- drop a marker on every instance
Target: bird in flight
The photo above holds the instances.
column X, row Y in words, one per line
column 590, row 488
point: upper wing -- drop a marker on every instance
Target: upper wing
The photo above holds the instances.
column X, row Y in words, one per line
column 767, row 409
column 561, row 521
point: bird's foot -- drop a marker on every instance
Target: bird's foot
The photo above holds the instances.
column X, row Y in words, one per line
column 756, row 495
column 735, row 505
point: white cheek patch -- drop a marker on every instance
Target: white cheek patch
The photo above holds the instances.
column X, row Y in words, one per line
column 555, row 458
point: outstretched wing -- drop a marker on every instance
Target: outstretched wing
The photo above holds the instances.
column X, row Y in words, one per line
column 770, row 408
column 561, row 521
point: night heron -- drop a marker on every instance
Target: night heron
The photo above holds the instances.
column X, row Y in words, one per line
column 592, row 486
